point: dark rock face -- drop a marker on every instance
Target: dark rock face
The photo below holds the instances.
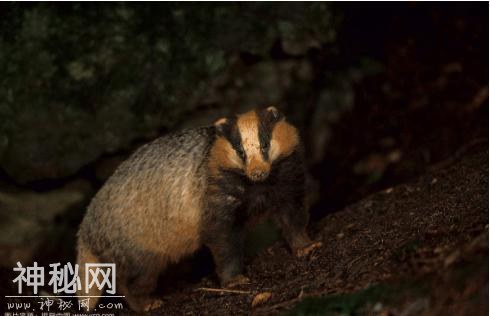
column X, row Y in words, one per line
column 81, row 80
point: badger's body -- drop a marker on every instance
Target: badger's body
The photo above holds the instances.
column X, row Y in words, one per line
column 193, row 188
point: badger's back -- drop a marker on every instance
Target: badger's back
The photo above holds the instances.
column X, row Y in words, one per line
column 153, row 202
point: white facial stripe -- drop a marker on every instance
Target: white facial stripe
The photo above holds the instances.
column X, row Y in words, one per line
column 249, row 132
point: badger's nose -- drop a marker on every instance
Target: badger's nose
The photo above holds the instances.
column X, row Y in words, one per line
column 259, row 175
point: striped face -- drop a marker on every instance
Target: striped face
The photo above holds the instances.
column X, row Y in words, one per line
column 253, row 141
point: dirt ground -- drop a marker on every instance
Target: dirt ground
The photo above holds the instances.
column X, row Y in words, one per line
column 419, row 248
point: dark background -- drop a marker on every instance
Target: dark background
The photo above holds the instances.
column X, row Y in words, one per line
column 381, row 92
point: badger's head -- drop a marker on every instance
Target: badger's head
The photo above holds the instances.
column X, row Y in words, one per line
column 250, row 143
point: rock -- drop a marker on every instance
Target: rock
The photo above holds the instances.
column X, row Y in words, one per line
column 105, row 167
column 28, row 218
column 110, row 86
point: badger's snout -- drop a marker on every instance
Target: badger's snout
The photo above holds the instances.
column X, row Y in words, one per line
column 259, row 175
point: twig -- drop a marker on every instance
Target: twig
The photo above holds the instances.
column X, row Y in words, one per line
column 208, row 289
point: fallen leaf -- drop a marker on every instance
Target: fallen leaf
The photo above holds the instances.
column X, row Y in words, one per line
column 452, row 258
column 261, row 298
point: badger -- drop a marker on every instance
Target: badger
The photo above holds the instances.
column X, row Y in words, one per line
column 197, row 187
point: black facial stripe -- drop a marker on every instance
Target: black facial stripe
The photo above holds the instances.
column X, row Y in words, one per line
column 237, row 145
column 233, row 136
column 265, row 133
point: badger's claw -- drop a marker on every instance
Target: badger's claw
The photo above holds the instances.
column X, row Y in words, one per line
column 154, row 304
column 238, row 280
column 305, row 251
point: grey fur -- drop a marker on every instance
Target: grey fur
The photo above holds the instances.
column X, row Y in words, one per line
column 147, row 213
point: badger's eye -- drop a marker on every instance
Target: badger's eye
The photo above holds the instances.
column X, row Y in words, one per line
column 265, row 148
column 241, row 153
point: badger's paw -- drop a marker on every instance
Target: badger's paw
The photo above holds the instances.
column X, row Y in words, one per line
column 152, row 305
column 305, row 251
column 237, row 280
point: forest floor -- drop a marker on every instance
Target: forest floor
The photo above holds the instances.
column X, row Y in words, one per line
column 419, row 248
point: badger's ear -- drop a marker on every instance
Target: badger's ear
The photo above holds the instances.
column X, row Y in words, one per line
column 273, row 114
column 221, row 126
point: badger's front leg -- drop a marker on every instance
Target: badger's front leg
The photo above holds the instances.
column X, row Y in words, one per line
column 292, row 218
column 225, row 239
column 227, row 249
